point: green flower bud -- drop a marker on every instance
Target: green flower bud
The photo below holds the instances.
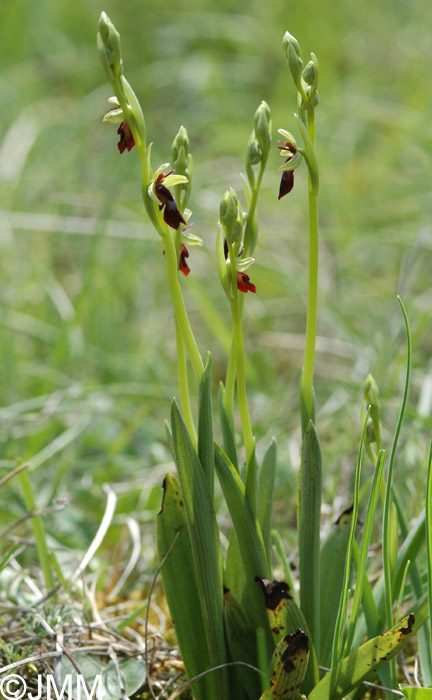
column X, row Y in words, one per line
column 262, row 123
column 293, row 54
column 309, row 75
column 182, row 163
column 371, row 397
column 370, row 432
column 108, row 40
column 290, row 40
column 254, row 152
column 181, row 141
column 370, row 391
column 231, row 218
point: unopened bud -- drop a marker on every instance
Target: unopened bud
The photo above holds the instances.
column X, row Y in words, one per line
column 370, row 432
column 231, row 218
column 254, row 152
column 370, row 391
column 290, row 40
column 181, row 141
column 108, row 40
column 293, row 54
column 262, row 124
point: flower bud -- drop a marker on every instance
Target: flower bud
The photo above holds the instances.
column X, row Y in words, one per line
column 231, row 218
column 108, row 40
column 182, row 163
column 254, row 152
column 371, row 394
column 181, row 142
column 262, row 124
column 293, row 54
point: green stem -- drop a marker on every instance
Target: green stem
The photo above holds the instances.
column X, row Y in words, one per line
column 306, row 389
column 180, row 312
column 38, row 529
column 184, row 384
column 231, row 368
column 248, row 436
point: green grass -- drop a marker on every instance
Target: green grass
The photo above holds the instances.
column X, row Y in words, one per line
column 86, row 331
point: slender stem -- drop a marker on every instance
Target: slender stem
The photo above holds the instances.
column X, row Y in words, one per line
column 248, row 436
column 312, row 304
column 180, row 312
column 184, row 384
column 231, row 368
column 306, row 387
column 386, row 536
column 38, row 529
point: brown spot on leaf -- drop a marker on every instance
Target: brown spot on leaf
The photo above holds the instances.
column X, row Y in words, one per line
column 274, row 592
column 344, row 514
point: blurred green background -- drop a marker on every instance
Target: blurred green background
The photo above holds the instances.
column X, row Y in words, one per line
column 87, row 348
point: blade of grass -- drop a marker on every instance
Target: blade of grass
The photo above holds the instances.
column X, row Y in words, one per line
column 338, row 640
column 428, row 681
column 38, row 528
column 387, row 534
column 364, row 549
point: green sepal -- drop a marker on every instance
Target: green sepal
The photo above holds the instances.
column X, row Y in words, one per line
column 178, row 576
column 205, row 426
column 367, row 659
column 222, row 264
column 332, row 567
column 309, row 154
column 204, row 537
column 267, row 475
column 241, row 643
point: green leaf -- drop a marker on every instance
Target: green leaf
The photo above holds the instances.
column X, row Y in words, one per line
column 180, row 585
column 416, row 693
column 204, row 537
column 368, row 658
column 241, row 643
column 267, row 475
column 132, row 672
column 308, row 524
column 249, row 538
column 227, row 431
column 285, row 617
column 332, row 565
column 205, row 426
column 290, row 663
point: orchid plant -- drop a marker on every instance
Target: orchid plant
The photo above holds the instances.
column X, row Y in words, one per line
column 242, row 634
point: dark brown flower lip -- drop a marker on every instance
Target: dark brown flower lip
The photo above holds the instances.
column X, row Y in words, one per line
column 171, row 215
column 244, row 284
column 286, row 183
column 183, row 266
column 126, row 138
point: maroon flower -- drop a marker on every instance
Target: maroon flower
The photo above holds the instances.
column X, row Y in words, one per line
column 126, row 138
column 287, row 179
column 171, row 216
column 286, row 183
column 244, row 284
column 183, row 266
